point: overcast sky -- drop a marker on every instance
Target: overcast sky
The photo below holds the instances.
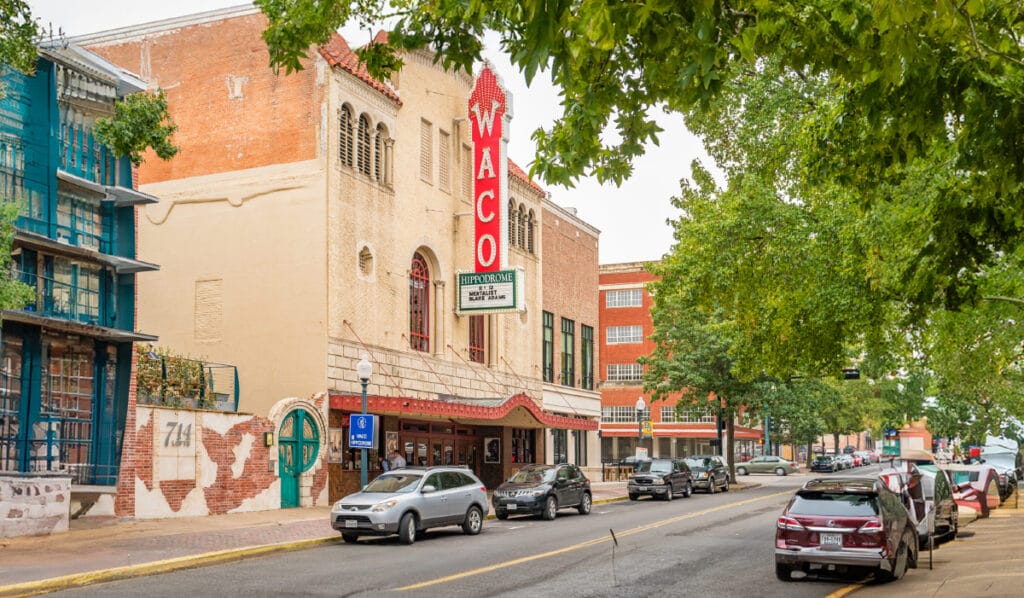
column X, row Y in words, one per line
column 631, row 218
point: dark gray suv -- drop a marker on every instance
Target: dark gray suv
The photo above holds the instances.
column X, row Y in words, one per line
column 542, row 490
column 666, row 478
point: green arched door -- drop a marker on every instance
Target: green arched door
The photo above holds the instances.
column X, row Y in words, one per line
column 298, row 445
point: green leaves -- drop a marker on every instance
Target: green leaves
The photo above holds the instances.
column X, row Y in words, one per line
column 18, row 32
column 140, row 121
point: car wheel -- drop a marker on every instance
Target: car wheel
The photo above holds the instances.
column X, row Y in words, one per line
column 780, row 471
column 633, row 496
column 668, row 493
column 585, row 504
column 741, row 471
column 474, row 521
column 688, row 491
column 349, row 537
column 725, row 487
column 550, row 508
column 407, row 529
column 711, row 486
column 899, row 564
column 503, row 515
column 784, row 572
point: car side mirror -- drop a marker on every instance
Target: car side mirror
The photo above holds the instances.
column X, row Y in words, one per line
column 428, row 489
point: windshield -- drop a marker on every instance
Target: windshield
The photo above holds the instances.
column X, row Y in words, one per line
column 846, row 505
column 700, row 463
column 532, row 476
column 655, row 467
column 394, row 482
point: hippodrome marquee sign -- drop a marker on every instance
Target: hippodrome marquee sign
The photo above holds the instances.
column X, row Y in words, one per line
column 492, row 287
column 491, row 292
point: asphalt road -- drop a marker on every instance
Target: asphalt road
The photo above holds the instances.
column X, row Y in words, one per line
column 705, row 545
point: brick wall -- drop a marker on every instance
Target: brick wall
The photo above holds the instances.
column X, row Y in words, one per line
column 624, row 276
column 34, row 505
column 232, row 111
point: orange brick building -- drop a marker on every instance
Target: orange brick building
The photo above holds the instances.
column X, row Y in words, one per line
column 625, row 335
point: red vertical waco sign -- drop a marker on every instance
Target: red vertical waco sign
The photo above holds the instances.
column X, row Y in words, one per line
column 489, row 116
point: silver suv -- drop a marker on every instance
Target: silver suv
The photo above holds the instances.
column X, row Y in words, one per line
column 412, row 499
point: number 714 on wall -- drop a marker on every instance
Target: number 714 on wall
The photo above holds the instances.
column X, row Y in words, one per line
column 182, row 434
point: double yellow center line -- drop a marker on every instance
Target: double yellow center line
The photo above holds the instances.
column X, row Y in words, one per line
column 588, row 543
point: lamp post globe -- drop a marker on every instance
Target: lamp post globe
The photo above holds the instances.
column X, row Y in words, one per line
column 364, row 369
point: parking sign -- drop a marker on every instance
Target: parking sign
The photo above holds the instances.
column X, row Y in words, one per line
column 362, row 432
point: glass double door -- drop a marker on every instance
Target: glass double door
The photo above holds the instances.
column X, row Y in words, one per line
column 423, row 447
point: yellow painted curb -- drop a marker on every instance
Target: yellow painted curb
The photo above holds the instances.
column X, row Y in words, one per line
column 75, row 580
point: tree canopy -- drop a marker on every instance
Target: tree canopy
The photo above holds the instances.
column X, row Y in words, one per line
column 18, row 32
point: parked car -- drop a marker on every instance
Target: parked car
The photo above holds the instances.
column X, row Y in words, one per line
column 842, row 523
column 938, row 490
column 845, row 461
column 975, row 486
column 661, row 477
column 709, row 472
column 825, row 463
column 866, row 457
column 408, row 500
column 857, row 460
column 1004, row 454
column 767, row 464
column 542, row 490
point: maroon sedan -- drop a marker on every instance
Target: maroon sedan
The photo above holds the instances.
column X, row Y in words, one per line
column 844, row 524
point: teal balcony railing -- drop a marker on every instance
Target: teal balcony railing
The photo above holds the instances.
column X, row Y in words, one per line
column 64, row 300
column 169, row 380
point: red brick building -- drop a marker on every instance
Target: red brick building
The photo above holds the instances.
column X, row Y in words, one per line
column 625, row 335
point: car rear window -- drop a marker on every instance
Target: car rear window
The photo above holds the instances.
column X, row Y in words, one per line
column 829, row 503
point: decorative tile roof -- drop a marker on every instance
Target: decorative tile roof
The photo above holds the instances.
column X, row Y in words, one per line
column 519, row 173
column 337, row 53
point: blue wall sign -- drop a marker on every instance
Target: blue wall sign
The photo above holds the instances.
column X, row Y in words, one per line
column 362, row 432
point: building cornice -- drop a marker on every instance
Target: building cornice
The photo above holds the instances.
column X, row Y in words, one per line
column 571, row 217
column 133, row 32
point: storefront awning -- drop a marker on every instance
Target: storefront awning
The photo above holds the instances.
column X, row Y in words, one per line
column 518, row 410
column 710, row 433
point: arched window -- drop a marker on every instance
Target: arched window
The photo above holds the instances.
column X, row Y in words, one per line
column 363, row 150
column 419, row 304
column 511, row 223
column 345, row 145
column 529, row 231
column 522, row 226
column 381, row 159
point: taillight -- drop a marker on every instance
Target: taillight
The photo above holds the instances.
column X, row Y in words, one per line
column 789, row 523
column 873, row 526
column 793, row 463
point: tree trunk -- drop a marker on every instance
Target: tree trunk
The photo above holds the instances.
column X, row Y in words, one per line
column 835, row 438
column 730, row 453
column 810, row 453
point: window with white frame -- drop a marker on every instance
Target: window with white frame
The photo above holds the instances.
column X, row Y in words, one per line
column 444, row 176
column 624, row 298
column 618, row 335
column 426, row 152
column 625, row 372
column 623, row 415
column 686, row 416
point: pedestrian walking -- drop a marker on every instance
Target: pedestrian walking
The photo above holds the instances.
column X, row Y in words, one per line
column 397, row 460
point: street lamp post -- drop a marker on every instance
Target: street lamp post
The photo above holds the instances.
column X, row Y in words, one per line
column 363, row 369
column 640, row 405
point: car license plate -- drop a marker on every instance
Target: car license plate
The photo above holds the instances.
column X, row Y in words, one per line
column 831, row 540
column 351, row 523
column 642, row 488
column 511, row 506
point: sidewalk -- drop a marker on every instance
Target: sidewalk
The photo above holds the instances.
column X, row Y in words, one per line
column 987, row 559
column 104, row 549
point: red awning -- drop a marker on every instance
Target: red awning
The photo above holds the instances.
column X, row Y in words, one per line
column 740, row 433
column 518, row 410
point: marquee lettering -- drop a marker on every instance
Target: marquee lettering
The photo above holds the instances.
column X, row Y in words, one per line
column 486, row 259
column 480, row 216
column 489, row 113
column 485, row 122
column 486, row 166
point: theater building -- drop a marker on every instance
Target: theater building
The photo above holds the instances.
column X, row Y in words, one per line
column 316, row 218
column 625, row 335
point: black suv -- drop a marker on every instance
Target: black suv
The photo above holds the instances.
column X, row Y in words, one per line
column 825, row 463
column 661, row 477
column 710, row 473
column 542, row 490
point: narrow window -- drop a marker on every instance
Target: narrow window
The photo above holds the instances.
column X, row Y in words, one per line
column 443, row 161
column 380, row 154
column 363, row 151
column 568, row 352
column 426, row 152
column 511, row 223
column 529, row 232
column 521, row 227
column 476, row 339
column 345, row 142
column 549, row 347
column 587, row 357
column 419, row 304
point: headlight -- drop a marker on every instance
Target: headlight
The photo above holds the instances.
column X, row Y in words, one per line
column 384, row 506
column 702, row 475
column 538, row 492
column 658, row 482
column 337, row 506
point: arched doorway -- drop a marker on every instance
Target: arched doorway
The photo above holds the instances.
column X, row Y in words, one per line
column 298, row 445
